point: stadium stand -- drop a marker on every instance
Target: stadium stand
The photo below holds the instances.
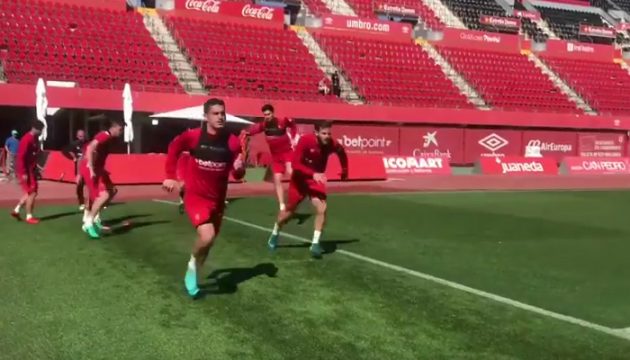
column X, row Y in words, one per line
column 367, row 9
column 94, row 47
column 392, row 73
column 317, row 7
column 470, row 11
column 508, row 81
column 249, row 61
column 566, row 24
column 603, row 85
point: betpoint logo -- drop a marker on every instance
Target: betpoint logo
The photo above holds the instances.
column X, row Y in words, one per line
column 211, row 6
column 493, row 142
column 211, row 165
column 328, row 20
column 363, row 142
column 264, row 12
column 571, row 47
column 550, row 146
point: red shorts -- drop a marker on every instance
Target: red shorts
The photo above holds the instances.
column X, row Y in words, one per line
column 299, row 189
column 99, row 183
column 279, row 162
column 29, row 186
column 204, row 211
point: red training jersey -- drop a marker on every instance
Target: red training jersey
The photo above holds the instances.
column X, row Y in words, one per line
column 26, row 158
column 311, row 156
column 278, row 133
column 99, row 157
column 211, row 161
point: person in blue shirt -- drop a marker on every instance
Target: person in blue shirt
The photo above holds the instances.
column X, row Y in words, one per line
column 11, row 148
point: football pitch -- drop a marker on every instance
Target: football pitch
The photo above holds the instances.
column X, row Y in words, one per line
column 485, row 275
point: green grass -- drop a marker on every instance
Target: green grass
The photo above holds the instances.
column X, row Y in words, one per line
column 63, row 296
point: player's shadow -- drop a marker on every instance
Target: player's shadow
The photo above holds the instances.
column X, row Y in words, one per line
column 118, row 220
column 58, row 215
column 328, row 246
column 226, row 281
column 301, row 218
column 122, row 228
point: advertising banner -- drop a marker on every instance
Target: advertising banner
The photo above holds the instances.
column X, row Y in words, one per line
column 429, row 165
column 491, row 143
column 577, row 50
column 366, row 26
column 470, row 39
column 601, row 144
column 595, row 166
column 368, row 140
column 598, row 31
column 500, row 21
column 527, row 15
column 433, row 141
column 553, row 144
column 235, row 9
column 396, row 10
column 517, row 165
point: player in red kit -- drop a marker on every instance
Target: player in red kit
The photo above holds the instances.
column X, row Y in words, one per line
column 92, row 168
column 214, row 154
column 25, row 164
column 309, row 180
column 281, row 135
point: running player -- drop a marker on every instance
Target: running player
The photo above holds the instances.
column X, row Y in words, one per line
column 281, row 135
column 92, row 168
column 309, row 180
column 214, row 154
column 74, row 151
column 25, row 165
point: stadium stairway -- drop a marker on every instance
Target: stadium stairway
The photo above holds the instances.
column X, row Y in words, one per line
column 339, row 7
column 464, row 87
column 444, row 14
column 179, row 64
column 561, row 85
column 348, row 91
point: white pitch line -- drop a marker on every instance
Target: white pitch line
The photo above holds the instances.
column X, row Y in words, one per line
column 620, row 333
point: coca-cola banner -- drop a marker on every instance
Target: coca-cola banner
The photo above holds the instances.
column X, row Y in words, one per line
column 577, row 50
column 601, row 144
column 230, row 8
column 594, row 166
column 373, row 140
column 470, row 39
column 491, row 143
column 516, row 165
column 396, row 9
column 598, row 31
column 527, row 15
column 410, row 165
column 500, row 21
column 433, row 141
column 371, row 26
column 553, row 144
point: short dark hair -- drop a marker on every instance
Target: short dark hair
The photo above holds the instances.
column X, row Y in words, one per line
column 212, row 102
column 38, row 125
column 116, row 121
column 267, row 107
column 323, row 125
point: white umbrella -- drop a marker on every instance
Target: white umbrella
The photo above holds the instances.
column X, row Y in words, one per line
column 128, row 111
column 196, row 113
column 41, row 104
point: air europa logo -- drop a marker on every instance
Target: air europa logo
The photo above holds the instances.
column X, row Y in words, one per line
column 364, row 143
column 550, row 146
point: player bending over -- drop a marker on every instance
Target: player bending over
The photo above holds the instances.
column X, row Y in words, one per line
column 25, row 164
column 92, row 168
column 309, row 179
column 74, row 151
column 214, row 154
column 281, row 135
